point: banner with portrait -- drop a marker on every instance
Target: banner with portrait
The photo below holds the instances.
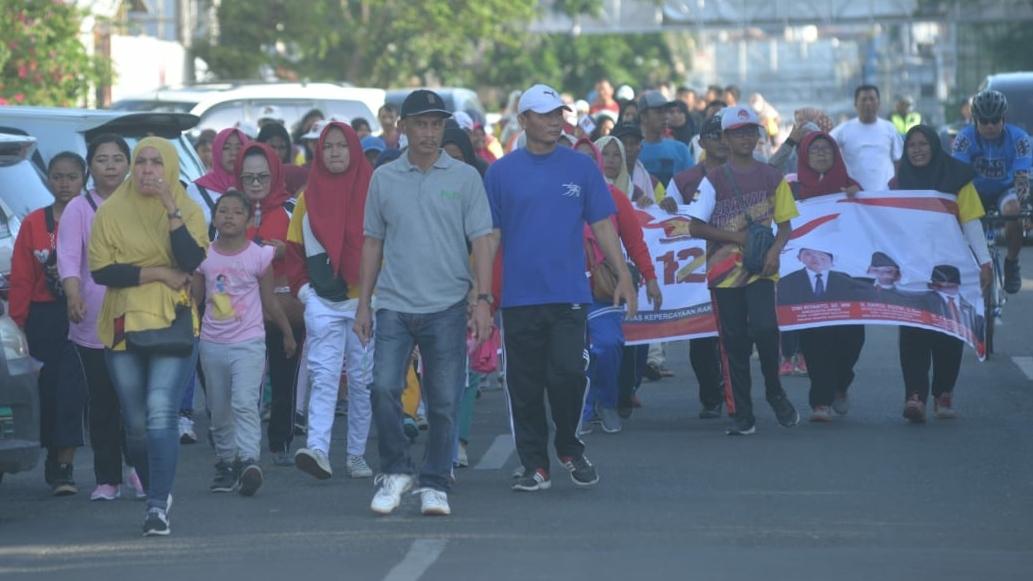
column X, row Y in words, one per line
column 892, row 258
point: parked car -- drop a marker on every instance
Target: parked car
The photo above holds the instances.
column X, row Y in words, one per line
column 169, row 99
column 221, row 109
column 19, row 402
column 57, row 130
column 456, row 99
column 23, row 189
column 1018, row 88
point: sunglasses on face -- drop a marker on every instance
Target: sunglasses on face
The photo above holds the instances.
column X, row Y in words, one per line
column 261, row 178
column 988, row 121
column 715, row 136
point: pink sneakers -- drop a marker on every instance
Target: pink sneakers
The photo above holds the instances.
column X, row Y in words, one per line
column 134, row 480
column 106, row 492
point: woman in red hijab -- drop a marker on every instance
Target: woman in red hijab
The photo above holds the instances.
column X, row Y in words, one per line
column 324, row 248
column 259, row 175
column 830, row 352
column 207, row 188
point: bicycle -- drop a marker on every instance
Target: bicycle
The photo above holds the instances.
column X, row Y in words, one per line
column 994, row 298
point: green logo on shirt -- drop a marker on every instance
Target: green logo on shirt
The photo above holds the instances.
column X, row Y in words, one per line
column 450, row 195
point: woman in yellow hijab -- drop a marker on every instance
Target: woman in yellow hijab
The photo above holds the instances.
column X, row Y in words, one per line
column 147, row 239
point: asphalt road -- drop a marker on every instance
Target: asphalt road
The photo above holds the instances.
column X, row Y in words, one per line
column 865, row 497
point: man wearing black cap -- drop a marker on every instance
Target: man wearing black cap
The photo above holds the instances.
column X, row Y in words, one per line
column 661, row 157
column 881, row 286
column 421, row 213
column 541, row 197
column 704, row 353
column 921, row 349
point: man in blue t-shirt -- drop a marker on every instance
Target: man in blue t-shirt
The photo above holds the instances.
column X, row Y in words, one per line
column 661, row 157
column 541, row 197
column 1000, row 153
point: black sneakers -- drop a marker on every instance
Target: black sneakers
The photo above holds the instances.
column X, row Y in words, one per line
column 710, row 412
column 581, row 470
column 742, row 427
column 784, row 411
column 63, row 480
column 250, row 478
column 537, row 480
column 156, row 524
column 225, row 478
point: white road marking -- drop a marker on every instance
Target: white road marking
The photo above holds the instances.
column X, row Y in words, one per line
column 1025, row 363
column 422, row 554
column 498, row 454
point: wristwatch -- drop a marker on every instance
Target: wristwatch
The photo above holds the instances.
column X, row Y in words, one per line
column 177, row 214
column 487, row 298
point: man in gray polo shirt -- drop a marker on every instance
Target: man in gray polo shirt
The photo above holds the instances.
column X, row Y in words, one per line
column 424, row 213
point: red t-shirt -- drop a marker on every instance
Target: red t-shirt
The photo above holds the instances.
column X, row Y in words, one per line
column 32, row 249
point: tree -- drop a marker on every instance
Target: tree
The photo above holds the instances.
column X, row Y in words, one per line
column 42, row 59
column 365, row 42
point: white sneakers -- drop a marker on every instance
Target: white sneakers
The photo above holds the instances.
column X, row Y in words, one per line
column 392, row 486
column 389, row 496
column 433, row 502
column 313, row 462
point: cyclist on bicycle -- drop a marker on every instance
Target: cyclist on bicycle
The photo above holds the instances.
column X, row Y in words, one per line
column 1001, row 154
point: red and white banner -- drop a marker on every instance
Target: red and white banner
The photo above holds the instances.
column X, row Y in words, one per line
column 890, row 258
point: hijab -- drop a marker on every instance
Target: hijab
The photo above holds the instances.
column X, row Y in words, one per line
column 623, row 181
column 683, row 133
column 596, row 154
column 453, row 134
column 133, row 228
column 943, row 173
column 278, row 193
column 270, row 130
column 813, row 183
column 219, row 180
column 337, row 204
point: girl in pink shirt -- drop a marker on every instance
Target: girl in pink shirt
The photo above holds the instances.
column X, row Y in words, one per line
column 235, row 283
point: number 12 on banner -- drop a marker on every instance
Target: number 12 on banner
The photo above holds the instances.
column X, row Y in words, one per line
column 675, row 273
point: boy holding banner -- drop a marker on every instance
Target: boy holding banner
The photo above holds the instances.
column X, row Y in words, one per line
column 742, row 193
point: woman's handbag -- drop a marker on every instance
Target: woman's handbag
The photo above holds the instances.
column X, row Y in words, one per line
column 604, row 277
column 176, row 340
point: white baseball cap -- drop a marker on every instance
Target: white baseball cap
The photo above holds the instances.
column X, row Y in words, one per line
column 271, row 112
column 738, row 116
column 541, row 99
column 317, row 129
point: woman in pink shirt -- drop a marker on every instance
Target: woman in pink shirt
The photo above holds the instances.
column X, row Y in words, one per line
column 107, row 160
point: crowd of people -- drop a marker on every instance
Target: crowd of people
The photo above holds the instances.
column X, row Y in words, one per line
column 393, row 260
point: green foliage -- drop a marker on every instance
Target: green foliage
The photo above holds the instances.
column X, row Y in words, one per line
column 576, row 63
column 389, row 43
column 42, row 61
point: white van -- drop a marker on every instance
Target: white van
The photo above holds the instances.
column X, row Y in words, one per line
column 221, row 109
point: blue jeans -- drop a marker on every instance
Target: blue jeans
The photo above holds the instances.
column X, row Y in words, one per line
column 150, row 388
column 441, row 338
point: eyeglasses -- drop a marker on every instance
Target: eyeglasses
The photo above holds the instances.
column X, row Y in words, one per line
column 988, row 121
column 250, row 178
column 716, row 136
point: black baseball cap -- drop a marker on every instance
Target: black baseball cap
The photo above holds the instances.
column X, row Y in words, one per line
column 711, row 126
column 627, row 129
column 424, row 102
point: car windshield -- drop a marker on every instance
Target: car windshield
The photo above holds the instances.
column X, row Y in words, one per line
column 230, row 113
column 156, row 106
column 23, row 188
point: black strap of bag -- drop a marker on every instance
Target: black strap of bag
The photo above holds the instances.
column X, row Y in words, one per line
column 93, row 204
column 211, row 210
column 50, row 266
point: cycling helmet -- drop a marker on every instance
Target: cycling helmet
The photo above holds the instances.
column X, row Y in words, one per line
column 989, row 104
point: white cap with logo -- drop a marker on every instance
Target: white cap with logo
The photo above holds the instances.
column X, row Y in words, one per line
column 541, row 99
column 738, row 116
